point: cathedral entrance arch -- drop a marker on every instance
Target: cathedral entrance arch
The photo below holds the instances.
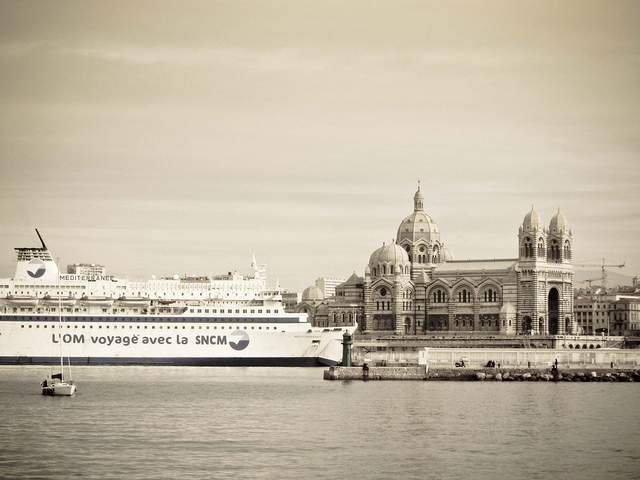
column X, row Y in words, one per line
column 407, row 326
column 526, row 325
column 553, row 302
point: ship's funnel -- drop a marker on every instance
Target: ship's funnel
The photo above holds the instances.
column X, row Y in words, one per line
column 36, row 265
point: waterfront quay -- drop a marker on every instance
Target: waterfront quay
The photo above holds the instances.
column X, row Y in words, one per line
column 515, row 351
column 410, row 359
column 422, row 372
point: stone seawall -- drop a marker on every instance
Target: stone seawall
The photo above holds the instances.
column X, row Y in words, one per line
column 376, row 373
column 485, row 374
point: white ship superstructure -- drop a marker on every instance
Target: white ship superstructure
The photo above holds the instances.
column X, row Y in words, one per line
column 230, row 319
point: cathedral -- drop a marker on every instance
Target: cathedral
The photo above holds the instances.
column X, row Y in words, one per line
column 415, row 286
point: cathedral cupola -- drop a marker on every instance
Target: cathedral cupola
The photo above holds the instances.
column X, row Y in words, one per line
column 559, row 240
column 532, row 238
column 557, row 223
column 389, row 260
column 531, row 220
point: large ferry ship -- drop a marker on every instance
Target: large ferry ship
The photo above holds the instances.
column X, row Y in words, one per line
column 225, row 320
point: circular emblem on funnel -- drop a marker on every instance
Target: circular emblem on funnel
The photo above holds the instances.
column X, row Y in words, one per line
column 239, row 340
column 36, row 268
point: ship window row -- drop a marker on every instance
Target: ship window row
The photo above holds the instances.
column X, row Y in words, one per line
column 214, row 310
column 141, row 319
column 152, row 327
column 43, row 287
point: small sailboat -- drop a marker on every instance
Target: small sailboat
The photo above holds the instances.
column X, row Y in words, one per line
column 56, row 384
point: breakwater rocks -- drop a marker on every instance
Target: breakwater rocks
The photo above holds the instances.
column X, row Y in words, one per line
column 561, row 376
column 419, row 372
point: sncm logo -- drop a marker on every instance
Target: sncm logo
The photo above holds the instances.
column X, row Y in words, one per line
column 239, row 340
column 36, row 268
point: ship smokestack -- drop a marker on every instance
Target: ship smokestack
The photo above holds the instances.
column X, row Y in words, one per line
column 44, row 247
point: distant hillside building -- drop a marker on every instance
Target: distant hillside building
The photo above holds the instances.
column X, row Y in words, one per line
column 608, row 314
column 86, row 269
column 328, row 285
column 344, row 308
column 290, row 300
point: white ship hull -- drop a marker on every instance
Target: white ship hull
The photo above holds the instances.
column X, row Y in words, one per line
column 229, row 319
column 181, row 341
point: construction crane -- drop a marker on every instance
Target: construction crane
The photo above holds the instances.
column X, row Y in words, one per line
column 604, row 266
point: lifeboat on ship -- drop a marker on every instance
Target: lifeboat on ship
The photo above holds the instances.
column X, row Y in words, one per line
column 101, row 301
column 166, row 302
column 133, row 301
column 54, row 301
column 21, row 300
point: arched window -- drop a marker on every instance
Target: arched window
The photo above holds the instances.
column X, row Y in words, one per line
column 567, row 251
column 464, row 296
column 439, row 296
column 391, row 269
column 528, row 248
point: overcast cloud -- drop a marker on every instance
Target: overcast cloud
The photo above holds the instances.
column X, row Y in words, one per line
column 174, row 137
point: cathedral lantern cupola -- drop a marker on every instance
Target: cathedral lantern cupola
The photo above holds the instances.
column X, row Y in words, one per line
column 418, row 201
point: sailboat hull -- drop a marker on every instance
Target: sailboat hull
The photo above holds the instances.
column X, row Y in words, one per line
column 60, row 389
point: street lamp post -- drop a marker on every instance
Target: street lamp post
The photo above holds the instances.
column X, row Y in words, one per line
column 354, row 313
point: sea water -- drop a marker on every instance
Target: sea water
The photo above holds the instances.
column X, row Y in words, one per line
column 289, row 423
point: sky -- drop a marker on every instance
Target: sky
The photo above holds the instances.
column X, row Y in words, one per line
column 161, row 138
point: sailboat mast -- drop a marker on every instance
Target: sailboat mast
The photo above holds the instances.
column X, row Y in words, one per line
column 59, row 321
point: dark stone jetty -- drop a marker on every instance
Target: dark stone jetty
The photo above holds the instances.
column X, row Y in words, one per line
column 419, row 372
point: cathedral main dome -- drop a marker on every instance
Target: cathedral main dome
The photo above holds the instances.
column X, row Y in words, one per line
column 418, row 226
